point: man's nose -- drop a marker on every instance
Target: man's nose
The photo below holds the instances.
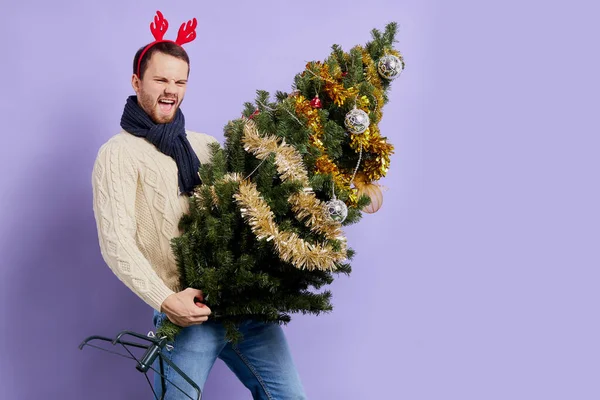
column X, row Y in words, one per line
column 171, row 87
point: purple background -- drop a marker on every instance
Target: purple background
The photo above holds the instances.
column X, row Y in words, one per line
column 479, row 277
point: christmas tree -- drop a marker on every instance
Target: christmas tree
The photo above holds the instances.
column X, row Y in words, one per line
column 263, row 234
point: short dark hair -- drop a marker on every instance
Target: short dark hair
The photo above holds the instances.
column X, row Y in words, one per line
column 169, row 48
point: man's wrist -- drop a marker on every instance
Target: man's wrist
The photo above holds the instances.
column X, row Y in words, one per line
column 162, row 305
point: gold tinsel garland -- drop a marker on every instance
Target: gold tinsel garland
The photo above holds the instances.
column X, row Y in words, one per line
column 323, row 164
column 290, row 167
column 375, row 166
column 290, row 247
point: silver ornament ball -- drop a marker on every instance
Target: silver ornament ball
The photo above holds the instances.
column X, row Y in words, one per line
column 389, row 66
column 337, row 210
column 357, row 121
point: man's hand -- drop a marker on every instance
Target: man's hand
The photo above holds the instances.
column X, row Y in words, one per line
column 181, row 309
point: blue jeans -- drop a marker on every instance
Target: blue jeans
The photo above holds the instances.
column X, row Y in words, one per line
column 262, row 360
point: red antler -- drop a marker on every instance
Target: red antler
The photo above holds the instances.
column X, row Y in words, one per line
column 187, row 32
column 159, row 26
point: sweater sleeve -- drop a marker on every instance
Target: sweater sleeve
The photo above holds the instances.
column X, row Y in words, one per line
column 114, row 182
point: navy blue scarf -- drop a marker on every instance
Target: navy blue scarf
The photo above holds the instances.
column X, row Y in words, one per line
column 169, row 139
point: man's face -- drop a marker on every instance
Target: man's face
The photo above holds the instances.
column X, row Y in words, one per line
column 162, row 88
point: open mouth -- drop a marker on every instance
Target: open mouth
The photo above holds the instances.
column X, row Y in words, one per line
column 166, row 105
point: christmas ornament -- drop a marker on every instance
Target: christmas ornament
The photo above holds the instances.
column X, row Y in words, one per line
column 357, row 121
column 254, row 114
column 337, row 210
column 334, row 89
column 372, row 190
column 389, row 66
column 316, row 102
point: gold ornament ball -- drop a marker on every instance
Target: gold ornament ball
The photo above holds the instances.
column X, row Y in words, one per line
column 374, row 193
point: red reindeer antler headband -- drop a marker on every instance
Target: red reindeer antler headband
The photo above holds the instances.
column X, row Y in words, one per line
column 187, row 33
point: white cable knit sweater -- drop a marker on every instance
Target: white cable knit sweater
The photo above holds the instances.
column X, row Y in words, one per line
column 137, row 207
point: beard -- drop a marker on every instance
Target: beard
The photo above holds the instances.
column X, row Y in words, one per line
column 154, row 110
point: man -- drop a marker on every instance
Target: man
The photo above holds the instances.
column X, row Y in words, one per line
column 142, row 179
